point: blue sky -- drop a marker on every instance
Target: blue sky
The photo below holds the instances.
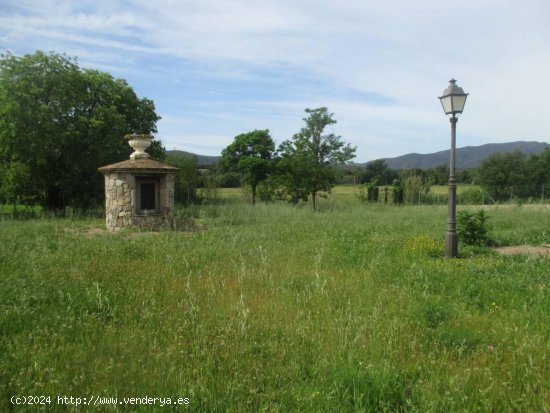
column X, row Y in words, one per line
column 216, row 69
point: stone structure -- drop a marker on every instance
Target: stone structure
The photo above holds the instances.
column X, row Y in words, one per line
column 139, row 192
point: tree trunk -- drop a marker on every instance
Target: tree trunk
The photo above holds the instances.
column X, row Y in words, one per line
column 253, row 195
column 314, row 200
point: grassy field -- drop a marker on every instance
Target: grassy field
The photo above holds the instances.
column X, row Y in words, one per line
column 349, row 194
column 276, row 308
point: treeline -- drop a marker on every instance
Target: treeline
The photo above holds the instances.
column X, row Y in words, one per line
column 500, row 178
column 59, row 123
column 513, row 175
column 378, row 173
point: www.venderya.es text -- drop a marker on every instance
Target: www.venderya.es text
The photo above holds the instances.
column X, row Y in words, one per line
column 99, row 400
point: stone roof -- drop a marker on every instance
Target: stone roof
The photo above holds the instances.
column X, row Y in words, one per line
column 138, row 165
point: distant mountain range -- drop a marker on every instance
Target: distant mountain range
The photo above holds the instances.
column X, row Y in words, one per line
column 203, row 160
column 467, row 157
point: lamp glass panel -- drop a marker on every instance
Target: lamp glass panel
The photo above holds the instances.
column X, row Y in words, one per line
column 446, row 102
column 458, row 103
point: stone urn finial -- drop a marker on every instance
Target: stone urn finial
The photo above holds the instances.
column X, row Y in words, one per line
column 139, row 143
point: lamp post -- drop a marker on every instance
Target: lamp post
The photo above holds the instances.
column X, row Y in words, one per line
column 452, row 100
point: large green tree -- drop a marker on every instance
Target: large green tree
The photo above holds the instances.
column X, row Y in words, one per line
column 307, row 160
column 251, row 154
column 378, row 170
column 61, row 122
column 504, row 175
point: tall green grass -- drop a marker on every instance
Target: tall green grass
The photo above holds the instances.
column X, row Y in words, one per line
column 277, row 308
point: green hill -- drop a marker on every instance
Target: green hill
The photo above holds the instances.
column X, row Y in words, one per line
column 467, row 157
column 202, row 159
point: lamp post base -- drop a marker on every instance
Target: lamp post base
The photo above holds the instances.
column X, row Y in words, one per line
column 451, row 244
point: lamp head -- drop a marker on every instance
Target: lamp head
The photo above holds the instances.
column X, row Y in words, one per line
column 453, row 99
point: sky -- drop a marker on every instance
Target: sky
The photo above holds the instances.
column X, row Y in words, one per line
column 219, row 68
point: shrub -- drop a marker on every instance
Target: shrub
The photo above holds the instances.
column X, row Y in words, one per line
column 472, row 196
column 369, row 192
column 362, row 193
column 472, row 228
column 397, row 192
column 372, row 193
column 414, row 187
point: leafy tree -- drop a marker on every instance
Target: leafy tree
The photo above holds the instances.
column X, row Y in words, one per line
column 501, row 172
column 466, row 176
column 187, row 177
column 267, row 190
column 229, row 179
column 252, row 155
column 62, row 122
column 379, row 170
column 355, row 173
column 439, row 175
column 15, row 184
column 307, row 160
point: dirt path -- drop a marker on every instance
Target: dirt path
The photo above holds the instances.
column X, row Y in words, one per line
column 543, row 250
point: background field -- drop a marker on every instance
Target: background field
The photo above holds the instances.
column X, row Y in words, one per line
column 347, row 194
column 277, row 308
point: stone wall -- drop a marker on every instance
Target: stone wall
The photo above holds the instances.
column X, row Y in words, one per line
column 120, row 203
